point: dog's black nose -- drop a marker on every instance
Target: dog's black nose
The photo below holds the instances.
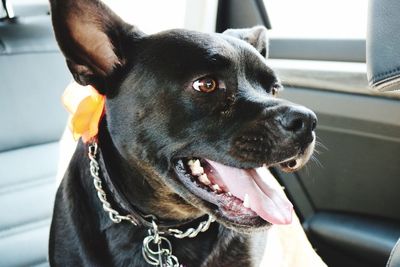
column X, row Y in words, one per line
column 299, row 120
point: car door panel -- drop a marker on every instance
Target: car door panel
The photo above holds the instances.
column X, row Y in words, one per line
column 347, row 199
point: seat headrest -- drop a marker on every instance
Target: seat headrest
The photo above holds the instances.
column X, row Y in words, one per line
column 383, row 45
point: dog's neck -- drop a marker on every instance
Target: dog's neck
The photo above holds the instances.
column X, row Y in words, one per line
column 134, row 188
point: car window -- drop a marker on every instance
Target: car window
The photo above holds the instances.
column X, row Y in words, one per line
column 318, row 19
column 170, row 14
column 320, row 44
column 2, row 12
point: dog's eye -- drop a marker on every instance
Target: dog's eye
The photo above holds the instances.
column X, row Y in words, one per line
column 275, row 89
column 205, row 85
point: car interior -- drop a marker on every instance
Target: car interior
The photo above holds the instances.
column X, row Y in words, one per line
column 347, row 197
column 33, row 76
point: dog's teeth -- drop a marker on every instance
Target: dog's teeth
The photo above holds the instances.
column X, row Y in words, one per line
column 216, row 187
column 246, row 201
column 194, row 162
column 195, row 167
column 198, row 171
column 204, row 179
column 229, row 193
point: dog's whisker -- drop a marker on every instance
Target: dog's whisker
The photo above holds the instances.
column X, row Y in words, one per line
column 316, row 161
column 306, row 169
column 316, row 151
column 319, row 143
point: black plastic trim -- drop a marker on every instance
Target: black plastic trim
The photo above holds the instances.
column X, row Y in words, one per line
column 367, row 238
column 263, row 13
column 252, row 12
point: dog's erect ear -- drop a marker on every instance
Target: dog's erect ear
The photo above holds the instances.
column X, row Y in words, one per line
column 91, row 36
column 256, row 36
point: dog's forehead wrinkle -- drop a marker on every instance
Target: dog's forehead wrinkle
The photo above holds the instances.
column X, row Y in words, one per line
column 253, row 72
column 256, row 96
column 210, row 41
column 251, row 92
column 254, row 62
column 174, row 44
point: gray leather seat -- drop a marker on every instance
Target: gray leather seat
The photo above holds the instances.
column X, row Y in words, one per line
column 383, row 61
column 383, row 45
column 32, row 78
column 394, row 259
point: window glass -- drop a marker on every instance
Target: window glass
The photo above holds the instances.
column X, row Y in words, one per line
column 339, row 19
column 2, row 11
column 151, row 15
column 27, row 2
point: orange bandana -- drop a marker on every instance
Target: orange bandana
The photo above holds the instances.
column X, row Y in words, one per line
column 86, row 106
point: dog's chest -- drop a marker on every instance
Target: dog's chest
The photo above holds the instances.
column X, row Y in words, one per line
column 212, row 248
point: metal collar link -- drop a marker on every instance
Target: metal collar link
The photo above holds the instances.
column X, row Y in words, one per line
column 101, row 194
column 157, row 249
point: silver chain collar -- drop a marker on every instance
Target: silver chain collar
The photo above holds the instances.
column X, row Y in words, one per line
column 156, row 249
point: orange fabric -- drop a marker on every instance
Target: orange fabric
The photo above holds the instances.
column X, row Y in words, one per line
column 86, row 106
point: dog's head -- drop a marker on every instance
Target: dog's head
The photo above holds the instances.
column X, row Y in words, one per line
column 198, row 112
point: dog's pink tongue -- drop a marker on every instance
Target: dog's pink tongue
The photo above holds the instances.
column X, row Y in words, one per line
column 265, row 194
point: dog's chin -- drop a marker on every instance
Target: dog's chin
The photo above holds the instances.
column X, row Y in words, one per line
column 241, row 199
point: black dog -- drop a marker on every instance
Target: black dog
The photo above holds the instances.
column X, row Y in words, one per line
column 190, row 121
